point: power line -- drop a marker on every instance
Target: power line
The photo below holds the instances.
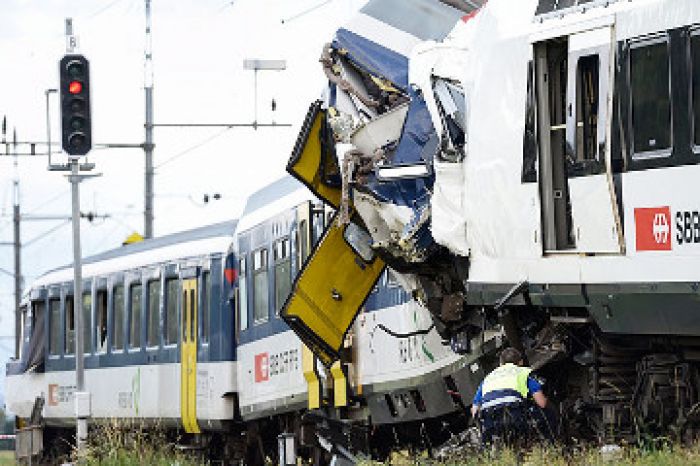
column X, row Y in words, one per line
column 105, row 8
column 190, row 149
column 305, row 12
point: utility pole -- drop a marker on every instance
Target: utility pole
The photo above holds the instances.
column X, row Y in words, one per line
column 148, row 125
column 16, row 243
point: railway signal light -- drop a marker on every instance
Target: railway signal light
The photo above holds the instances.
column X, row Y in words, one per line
column 76, row 128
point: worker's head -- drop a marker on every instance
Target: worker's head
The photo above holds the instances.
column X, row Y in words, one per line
column 511, row 355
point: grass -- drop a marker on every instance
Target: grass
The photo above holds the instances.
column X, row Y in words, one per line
column 126, row 444
column 7, row 457
column 671, row 456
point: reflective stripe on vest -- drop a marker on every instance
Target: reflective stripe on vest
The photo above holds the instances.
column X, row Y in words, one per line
column 506, row 379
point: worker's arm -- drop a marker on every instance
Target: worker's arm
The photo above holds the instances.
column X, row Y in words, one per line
column 475, row 410
column 476, row 402
column 540, row 399
column 534, row 387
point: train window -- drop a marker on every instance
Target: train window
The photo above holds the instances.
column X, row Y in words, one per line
column 54, row 326
column 87, row 324
column 303, row 241
column 135, row 316
column 171, row 290
column 283, row 273
column 101, row 320
column 651, row 100
column 206, row 301
column 695, row 55
column 38, row 308
column 360, row 241
column 69, row 339
column 587, row 108
column 260, row 286
column 242, row 294
column 153, row 313
column 118, row 313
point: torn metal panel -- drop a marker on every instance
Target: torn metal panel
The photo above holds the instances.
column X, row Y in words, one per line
column 381, row 131
column 313, row 159
column 330, row 290
column 398, row 128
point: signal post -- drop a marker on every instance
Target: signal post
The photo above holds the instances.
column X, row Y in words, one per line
column 76, row 140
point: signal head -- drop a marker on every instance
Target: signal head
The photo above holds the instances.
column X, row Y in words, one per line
column 75, row 104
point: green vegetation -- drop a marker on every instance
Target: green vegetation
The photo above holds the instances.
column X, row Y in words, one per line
column 7, row 458
column 120, row 444
column 671, row 456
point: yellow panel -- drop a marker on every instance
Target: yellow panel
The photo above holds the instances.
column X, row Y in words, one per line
column 308, row 365
column 188, row 357
column 329, row 292
column 340, row 384
column 308, row 162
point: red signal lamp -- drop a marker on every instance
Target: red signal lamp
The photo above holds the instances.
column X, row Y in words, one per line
column 75, row 87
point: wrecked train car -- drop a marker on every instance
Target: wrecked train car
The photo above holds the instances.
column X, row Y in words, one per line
column 528, row 169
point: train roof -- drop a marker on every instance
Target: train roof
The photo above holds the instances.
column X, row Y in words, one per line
column 189, row 243
column 278, row 196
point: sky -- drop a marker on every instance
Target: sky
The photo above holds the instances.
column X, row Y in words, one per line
column 198, row 52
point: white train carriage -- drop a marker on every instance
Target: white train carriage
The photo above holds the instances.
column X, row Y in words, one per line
column 532, row 171
column 147, row 307
column 184, row 333
column 396, row 372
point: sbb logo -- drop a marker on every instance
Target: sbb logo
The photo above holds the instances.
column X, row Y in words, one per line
column 653, row 228
column 262, row 367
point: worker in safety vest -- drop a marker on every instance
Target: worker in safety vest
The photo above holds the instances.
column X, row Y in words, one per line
column 501, row 397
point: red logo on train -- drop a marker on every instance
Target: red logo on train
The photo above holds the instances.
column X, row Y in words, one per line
column 653, row 228
column 262, row 367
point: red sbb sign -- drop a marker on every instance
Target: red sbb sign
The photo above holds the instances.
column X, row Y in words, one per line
column 653, row 228
column 262, row 367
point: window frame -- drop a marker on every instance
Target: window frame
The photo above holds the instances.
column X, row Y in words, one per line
column 693, row 33
column 87, row 320
column 96, row 328
column 264, row 269
column 166, row 307
column 68, row 349
column 149, row 315
column 285, row 243
column 130, row 320
column 204, row 311
column 59, row 335
column 120, row 313
column 633, row 44
column 242, row 294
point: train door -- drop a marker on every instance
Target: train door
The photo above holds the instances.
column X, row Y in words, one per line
column 574, row 83
column 188, row 356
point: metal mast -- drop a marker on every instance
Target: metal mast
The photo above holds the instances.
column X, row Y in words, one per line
column 148, row 125
column 17, row 245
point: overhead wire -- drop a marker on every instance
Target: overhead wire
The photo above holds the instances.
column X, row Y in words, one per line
column 103, row 9
column 305, row 12
column 191, row 148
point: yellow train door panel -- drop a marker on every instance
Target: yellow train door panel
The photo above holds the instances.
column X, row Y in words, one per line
column 330, row 290
column 313, row 160
column 188, row 356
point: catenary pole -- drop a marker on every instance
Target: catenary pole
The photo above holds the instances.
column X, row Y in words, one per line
column 148, row 125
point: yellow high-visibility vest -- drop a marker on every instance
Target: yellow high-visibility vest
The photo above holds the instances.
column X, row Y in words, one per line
column 507, row 377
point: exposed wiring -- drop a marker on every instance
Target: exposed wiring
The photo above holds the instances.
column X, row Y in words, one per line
column 401, row 335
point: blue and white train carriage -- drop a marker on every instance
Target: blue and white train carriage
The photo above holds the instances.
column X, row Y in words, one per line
column 136, row 335
column 184, row 331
